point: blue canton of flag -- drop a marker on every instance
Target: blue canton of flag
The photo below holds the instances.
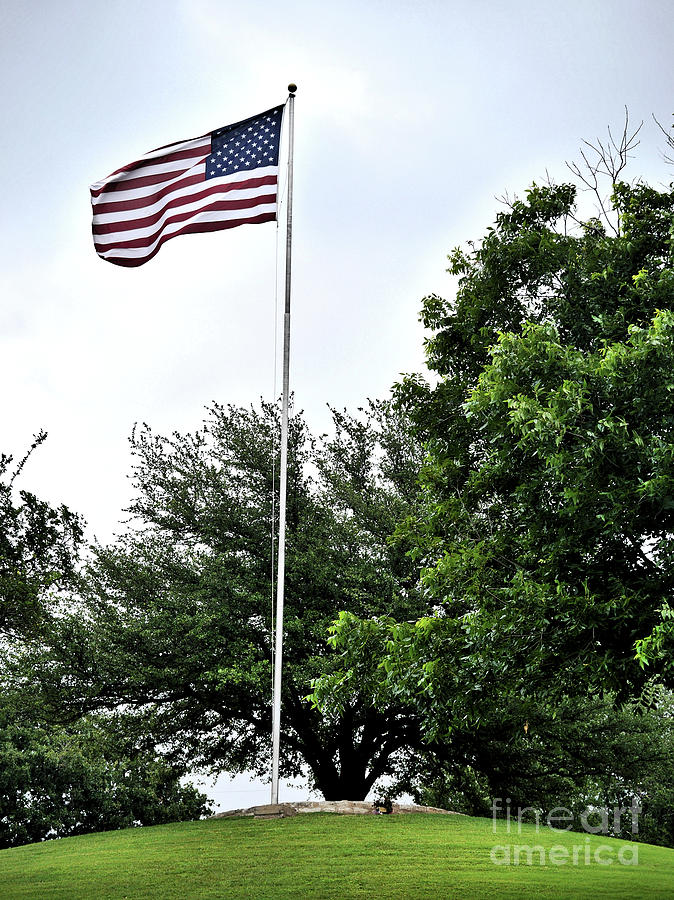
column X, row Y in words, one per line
column 245, row 145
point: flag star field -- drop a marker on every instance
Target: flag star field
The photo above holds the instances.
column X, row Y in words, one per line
column 245, row 145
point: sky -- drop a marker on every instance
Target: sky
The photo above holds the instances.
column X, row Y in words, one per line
column 411, row 120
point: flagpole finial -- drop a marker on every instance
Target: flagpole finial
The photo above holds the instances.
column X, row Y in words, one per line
column 291, row 89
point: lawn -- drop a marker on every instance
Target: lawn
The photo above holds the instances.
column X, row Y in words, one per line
column 332, row 856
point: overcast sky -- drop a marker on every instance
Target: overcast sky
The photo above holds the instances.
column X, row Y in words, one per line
column 411, row 117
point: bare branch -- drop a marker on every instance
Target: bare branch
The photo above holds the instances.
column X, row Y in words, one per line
column 608, row 159
column 506, row 200
column 669, row 138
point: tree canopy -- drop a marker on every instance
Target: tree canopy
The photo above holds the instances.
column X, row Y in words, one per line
column 39, row 548
column 58, row 781
column 175, row 623
column 546, row 539
column 544, row 532
column 62, row 778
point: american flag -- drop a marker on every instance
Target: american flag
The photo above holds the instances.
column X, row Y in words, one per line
column 221, row 180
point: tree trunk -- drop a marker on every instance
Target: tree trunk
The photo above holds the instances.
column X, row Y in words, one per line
column 344, row 784
column 347, row 760
column 345, row 767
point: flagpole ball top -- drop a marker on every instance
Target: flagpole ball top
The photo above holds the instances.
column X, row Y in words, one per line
column 292, row 88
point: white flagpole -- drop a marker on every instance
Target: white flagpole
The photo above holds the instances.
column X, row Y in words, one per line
column 280, row 578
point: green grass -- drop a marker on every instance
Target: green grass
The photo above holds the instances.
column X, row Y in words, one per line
column 328, row 856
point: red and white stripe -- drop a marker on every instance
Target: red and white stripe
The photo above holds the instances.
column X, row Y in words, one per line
column 165, row 193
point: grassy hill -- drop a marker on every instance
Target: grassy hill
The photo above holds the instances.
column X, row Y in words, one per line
column 331, row 856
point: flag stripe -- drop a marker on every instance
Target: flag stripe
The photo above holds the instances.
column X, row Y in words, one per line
column 194, row 150
column 121, row 207
column 120, row 221
column 131, row 257
column 141, row 182
column 221, row 180
column 130, row 200
column 142, row 233
column 152, row 191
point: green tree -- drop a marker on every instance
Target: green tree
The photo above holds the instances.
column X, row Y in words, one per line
column 484, row 742
column 586, row 755
column 39, row 548
column 57, row 781
column 547, row 535
column 545, row 532
column 176, row 620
